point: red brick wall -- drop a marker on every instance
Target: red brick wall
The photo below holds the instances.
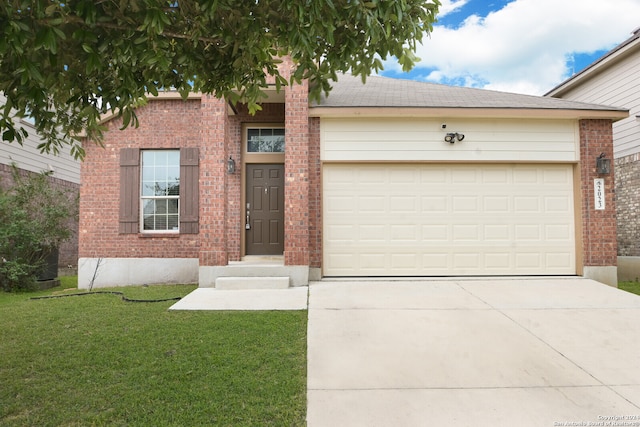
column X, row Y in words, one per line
column 213, row 181
column 197, row 123
column 296, row 232
column 163, row 124
column 598, row 226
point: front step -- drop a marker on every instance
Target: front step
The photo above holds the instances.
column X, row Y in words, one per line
column 255, row 273
column 251, row 282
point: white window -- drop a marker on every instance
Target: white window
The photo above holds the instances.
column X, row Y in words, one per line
column 160, row 190
column 265, row 140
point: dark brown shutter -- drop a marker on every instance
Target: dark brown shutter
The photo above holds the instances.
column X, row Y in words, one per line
column 189, row 190
column 129, row 190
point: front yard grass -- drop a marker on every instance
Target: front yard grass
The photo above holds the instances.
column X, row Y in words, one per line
column 633, row 287
column 97, row 360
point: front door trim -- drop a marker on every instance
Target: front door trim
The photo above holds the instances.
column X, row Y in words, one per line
column 253, row 158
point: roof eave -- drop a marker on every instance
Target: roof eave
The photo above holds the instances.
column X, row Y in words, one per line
column 449, row 112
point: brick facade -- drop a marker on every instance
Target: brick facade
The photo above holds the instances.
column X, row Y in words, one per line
column 205, row 123
column 628, row 204
column 163, row 124
column 296, row 232
column 598, row 226
column 213, row 181
column 68, row 251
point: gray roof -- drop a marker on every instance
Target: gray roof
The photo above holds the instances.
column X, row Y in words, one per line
column 349, row 92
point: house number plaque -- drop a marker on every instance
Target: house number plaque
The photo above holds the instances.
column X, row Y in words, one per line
column 598, row 193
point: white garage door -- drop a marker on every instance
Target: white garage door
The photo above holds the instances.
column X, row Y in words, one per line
column 444, row 220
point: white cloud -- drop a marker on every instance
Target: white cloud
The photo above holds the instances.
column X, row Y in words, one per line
column 448, row 6
column 524, row 47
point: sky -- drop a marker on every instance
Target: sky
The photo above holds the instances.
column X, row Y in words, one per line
column 520, row 46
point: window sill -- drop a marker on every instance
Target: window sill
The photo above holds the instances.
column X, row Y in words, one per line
column 159, row 235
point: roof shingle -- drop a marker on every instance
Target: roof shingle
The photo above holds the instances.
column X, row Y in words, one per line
column 349, row 92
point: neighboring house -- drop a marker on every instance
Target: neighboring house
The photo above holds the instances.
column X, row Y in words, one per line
column 65, row 174
column 614, row 79
column 392, row 178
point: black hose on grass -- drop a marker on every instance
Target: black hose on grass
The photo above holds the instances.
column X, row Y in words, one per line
column 124, row 298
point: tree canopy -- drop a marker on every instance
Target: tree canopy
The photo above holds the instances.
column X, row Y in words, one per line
column 67, row 63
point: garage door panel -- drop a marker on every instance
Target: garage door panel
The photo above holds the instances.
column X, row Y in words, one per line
column 524, row 204
column 554, row 175
column 498, row 261
column 556, row 204
column 342, row 263
column 557, row 260
column 466, row 262
column 372, row 204
column 434, row 204
column 495, row 177
column 373, row 233
column 439, row 263
column 526, row 175
column 464, row 176
column 435, row 232
column 341, row 234
column 465, row 204
column 404, row 204
column 559, row 232
column 468, row 232
column 406, row 261
column 497, row 233
column 497, row 204
column 528, row 232
column 395, row 220
column 405, row 233
column 528, row 261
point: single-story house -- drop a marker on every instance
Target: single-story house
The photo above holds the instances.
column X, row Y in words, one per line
column 384, row 179
column 613, row 80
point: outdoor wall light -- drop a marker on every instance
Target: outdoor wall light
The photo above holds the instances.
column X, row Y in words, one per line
column 452, row 137
column 603, row 165
column 231, row 165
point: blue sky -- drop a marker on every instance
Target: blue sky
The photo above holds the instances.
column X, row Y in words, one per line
column 521, row 46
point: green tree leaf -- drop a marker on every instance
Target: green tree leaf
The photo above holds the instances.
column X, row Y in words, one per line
column 57, row 58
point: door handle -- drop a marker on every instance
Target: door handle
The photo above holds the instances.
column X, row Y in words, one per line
column 247, row 225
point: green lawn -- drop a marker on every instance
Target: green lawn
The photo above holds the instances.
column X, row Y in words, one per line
column 633, row 287
column 97, row 360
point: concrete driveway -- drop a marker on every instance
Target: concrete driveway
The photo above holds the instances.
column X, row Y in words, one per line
column 490, row 352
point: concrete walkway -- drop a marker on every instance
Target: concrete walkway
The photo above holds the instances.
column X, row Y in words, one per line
column 244, row 299
column 491, row 352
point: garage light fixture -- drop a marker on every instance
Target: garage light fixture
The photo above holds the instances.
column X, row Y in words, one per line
column 603, row 165
column 452, row 137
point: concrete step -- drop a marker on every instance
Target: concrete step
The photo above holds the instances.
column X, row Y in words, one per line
column 255, row 282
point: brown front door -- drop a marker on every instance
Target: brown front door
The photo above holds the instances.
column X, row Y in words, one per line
column 265, row 209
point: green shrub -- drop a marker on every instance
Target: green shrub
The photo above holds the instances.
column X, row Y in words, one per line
column 34, row 220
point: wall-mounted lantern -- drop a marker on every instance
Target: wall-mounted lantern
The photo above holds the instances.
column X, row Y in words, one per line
column 231, row 165
column 603, row 165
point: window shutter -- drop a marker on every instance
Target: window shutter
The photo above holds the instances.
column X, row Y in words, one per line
column 129, row 190
column 189, row 190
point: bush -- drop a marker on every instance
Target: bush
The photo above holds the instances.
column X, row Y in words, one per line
column 34, row 221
